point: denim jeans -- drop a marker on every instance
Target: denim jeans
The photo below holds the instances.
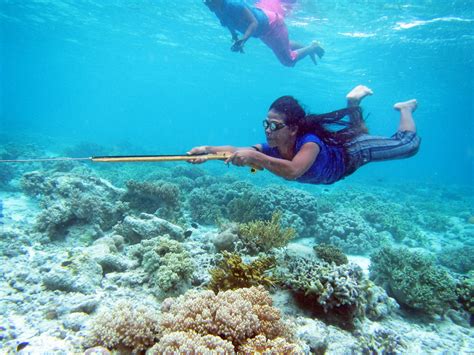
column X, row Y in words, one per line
column 366, row 148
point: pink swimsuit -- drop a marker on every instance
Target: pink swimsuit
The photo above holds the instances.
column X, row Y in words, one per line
column 277, row 36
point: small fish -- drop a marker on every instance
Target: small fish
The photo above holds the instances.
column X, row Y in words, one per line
column 188, row 233
column 22, row 345
column 194, row 225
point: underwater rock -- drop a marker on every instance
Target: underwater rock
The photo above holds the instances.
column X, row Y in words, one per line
column 107, row 259
column 75, row 321
column 83, row 275
column 87, row 305
column 147, row 226
column 226, row 239
column 68, row 200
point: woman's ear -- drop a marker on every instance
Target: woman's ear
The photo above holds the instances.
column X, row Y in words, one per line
column 293, row 130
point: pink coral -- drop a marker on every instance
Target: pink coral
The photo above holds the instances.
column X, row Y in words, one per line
column 232, row 315
column 191, row 343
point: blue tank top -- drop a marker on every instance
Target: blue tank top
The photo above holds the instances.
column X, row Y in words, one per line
column 232, row 16
column 328, row 167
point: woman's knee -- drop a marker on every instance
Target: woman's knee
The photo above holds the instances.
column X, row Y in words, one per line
column 411, row 141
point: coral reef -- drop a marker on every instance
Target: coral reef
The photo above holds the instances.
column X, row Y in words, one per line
column 332, row 292
column 146, row 226
column 191, row 343
column 242, row 202
column 382, row 341
column 235, row 316
column 127, row 325
column 458, row 258
column 261, row 345
column 262, row 236
column 413, row 279
column 232, row 273
column 160, row 197
column 330, row 254
column 165, row 261
column 465, row 293
column 69, row 200
column 203, row 206
column 346, row 229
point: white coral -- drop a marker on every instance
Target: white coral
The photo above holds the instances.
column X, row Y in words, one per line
column 129, row 325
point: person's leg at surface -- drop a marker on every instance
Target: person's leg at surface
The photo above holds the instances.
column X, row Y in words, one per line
column 406, row 108
column 278, row 40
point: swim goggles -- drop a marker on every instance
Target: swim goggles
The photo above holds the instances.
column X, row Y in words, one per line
column 272, row 125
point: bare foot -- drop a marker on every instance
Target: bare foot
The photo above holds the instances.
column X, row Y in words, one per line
column 318, row 49
column 409, row 105
column 355, row 96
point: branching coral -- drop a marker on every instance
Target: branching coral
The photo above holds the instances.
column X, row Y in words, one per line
column 262, row 236
column 382, row 341
column 191, row 343
column 465, row 293
column 330, row 254
column 231, row 273
column 127, row 325
column 413, row 279
column 261, row 345
column 459, row 258
column 235, row 316
column 333, row 292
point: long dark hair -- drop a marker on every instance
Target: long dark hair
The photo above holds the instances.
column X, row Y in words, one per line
column 332, row 127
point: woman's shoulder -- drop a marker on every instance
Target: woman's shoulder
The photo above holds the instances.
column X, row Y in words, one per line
column 309, row 137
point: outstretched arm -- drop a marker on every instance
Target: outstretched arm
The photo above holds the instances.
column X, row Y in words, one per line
column 252, row 26
column 209, row 149
column 287, row 169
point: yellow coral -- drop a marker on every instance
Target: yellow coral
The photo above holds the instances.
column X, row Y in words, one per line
column 232, row 273
column 262, row 236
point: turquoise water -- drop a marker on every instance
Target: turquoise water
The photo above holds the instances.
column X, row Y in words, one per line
column 84, row 78
column 161, row 75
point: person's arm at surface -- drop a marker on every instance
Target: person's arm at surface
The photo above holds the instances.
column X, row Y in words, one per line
column 252, row 26
column 287, row 169
column 233, row 33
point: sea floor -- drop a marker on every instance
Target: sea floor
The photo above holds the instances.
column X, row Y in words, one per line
column 70, row 239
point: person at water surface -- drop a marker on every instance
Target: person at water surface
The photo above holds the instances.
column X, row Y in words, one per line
column 307, row 147
column 264, row 20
